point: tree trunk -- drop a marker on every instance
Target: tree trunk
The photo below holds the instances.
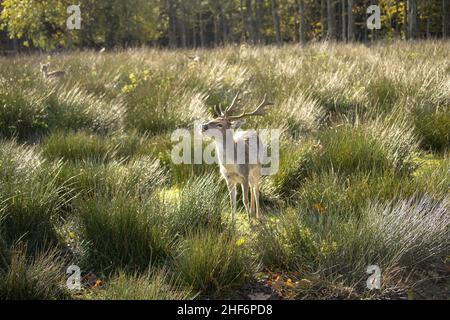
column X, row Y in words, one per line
column 216, row 30
column 194, row 36
column 276, row 22
column 224, row 25
column 444, row 19
column 250, row 20
column 258, row 8
column 351, row 21
column 301, row 11
column 331, row 20
column 202, row 30
column 413, row 27
column 323, row 20
column 183, row 28
column 243, row 20
column 344, row 21
column 172, row 25
column 397, row 15
column 405, row 19
column 15, row 45
column 110, row 28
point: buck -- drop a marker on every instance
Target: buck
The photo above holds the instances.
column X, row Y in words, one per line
column 51, row 74
column 239, row 153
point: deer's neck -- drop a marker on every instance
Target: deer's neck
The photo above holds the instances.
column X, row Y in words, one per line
column 225, row 149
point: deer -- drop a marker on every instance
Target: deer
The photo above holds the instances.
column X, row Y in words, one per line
column 194, row 58
column 246, row 173
column 51, row 74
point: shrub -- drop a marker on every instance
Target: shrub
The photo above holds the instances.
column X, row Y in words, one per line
column 71, row 108
column 433, row 176
column 135, row 179
column 376, row 149
column 85, row 146
column 290, row 174
column 40, row 278
column 124, row 232
column 349, row 195
column 433, row 127
column 213, row 263
column 199, row 206
column 18, row 162
column 151, row 285
column 302, row 114
column 333, row 248
column 76, row 146
column 347, row 150
column 33, row 199
column 23, row 112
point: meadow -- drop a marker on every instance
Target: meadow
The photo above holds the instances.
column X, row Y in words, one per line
column 86, row 176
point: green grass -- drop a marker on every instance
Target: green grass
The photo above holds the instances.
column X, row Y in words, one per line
column 199, row 205
column 213, row 263
column 38, row 278
column 124, row 233
column 153, row 285
column 86, row 173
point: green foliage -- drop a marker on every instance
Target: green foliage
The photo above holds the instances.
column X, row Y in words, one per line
column 124, row 233
column 94, row 180
column 175, row 23
column 329, row 245
column 32, row 199
column 76, row 147
column 433, row 126
column 45, row 23
column 213, row 263
column 38, row 278
column 22, row 113
column 84, row 146
column 103, row 22
column 199, row 206
column 136, row 179
column 151, row 285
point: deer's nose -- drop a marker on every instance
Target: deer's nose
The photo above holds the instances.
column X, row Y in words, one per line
column 204, row 127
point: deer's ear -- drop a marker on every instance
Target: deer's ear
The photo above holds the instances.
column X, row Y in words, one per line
column 237, row 124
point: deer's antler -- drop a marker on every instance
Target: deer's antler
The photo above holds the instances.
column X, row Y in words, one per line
column 232, row 106
column 218, row 110
column 259, row 111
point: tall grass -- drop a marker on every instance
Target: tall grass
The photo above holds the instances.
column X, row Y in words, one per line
column 86, row 169
column 124, row 233
column 198, row 206
column 151, row 285
column 38, row 278
column 213, row 263
column 330, row 247
column 33, row 201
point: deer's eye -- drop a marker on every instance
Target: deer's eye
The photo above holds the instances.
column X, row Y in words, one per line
column 219, row 125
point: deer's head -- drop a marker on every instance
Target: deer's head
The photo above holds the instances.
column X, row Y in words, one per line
column 225, row 119
column 44, row 67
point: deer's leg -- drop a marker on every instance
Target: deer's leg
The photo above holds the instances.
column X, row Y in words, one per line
column 245, row 198
column 256, row 196
column 232, row 191
column 252, row 202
